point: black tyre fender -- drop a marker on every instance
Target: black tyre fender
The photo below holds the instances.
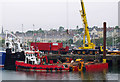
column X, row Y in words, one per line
column 56, row 69
column 60, row 69
column 84, row 69
column 34, row 67
column 47, row 68
column 51, row 69
column 40, row 67
column 70, row 69
column 28, row 67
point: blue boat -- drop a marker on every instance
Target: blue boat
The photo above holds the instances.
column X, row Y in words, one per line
column 2, row 58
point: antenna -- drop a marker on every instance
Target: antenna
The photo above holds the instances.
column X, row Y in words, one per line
column 33, row 32
column 67, row 15
column 22, row 36
column 22, row 30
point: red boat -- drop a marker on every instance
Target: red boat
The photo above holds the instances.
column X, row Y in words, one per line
column 34, row 62
column 96, row 67
column 80, row 65
column 24, row 66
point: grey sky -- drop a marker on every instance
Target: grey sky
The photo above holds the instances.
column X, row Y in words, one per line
column 47, row 14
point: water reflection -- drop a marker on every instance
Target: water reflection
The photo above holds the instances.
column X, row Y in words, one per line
column 47, row 76
column 20, row 75
column 65, row 75
column 101, row 75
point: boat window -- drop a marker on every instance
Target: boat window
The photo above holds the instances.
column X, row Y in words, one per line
column 12, row 49
column 55, row 44
column 65, row 66
column 7, row 44
column 36, row 54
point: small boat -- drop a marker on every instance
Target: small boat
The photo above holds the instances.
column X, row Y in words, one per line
column 2, row 58
column 80, row 65
column 14, row 51
column 34, row 61
column 114, row 51
column 91, row 67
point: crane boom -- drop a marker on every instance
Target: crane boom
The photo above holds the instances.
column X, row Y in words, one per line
column 86, row 33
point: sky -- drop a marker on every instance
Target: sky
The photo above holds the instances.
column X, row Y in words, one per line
column 48, row 14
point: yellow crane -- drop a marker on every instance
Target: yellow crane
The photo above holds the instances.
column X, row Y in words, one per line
column 87, row 45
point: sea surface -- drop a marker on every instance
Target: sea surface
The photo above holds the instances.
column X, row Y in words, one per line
column 112, row 73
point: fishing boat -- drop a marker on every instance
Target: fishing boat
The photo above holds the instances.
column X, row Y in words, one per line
column 13, row 51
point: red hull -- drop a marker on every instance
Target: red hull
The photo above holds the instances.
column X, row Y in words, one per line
column 1, row 66
column 22, row 65
column 96, row 67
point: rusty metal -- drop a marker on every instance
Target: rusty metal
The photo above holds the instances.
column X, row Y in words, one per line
column 104, row 40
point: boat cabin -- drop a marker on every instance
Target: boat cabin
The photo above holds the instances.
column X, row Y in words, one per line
column 32, row 57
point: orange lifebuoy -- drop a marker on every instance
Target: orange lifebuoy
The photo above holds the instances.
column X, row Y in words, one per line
column 78, row 52
column 91, row 52
column 83, row 52
column 95, row 52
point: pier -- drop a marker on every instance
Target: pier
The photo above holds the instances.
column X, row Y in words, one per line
column 114, row 59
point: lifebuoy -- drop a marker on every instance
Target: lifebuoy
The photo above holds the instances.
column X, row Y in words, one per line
column 78, row 52
column 96, row 52
column 83, row 52
column 91, row 52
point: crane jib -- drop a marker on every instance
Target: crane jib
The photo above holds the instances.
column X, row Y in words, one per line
column 86, row 33
column 82, row 4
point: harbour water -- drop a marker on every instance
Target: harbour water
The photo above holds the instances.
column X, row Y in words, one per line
column 112, row 73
